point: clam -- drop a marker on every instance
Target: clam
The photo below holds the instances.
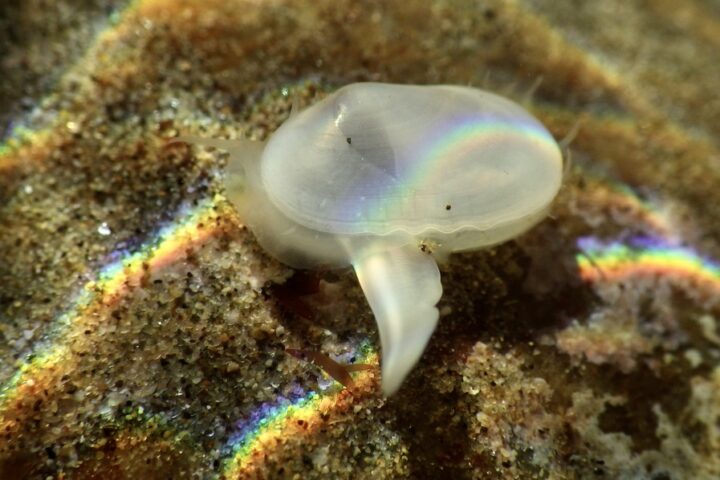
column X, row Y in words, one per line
column 391, row 179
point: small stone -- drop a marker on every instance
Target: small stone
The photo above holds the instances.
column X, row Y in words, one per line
column 73, row 127
column 693, row 357
column 104, row 230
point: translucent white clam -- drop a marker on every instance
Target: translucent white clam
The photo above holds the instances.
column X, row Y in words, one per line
column 389, row 179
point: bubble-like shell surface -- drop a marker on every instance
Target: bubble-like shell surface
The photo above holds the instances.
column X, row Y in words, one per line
column 375, row 158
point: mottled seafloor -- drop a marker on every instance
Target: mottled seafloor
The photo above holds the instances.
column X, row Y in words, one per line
column 143, row 331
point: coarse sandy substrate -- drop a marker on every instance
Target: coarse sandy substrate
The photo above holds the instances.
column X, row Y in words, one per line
column 144, row 331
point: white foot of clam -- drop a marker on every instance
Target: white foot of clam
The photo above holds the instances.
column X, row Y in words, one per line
column 402, row 286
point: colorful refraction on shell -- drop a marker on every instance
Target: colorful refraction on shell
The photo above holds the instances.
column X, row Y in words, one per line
column 460, row 140
column 462, row 135
column 379, row 158
column 48, row 361
column 269, row 427
column 645, row 256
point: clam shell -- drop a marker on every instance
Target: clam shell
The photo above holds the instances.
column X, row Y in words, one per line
column 377, row 158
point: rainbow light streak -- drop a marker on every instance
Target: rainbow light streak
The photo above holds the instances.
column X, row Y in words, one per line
column 20, row 135
column 49, row 360
column 624, row 197
column 301, row 414
column 450, row 145
column 646, row 256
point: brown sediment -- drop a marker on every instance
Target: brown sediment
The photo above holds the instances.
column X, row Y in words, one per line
column 535, row 371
